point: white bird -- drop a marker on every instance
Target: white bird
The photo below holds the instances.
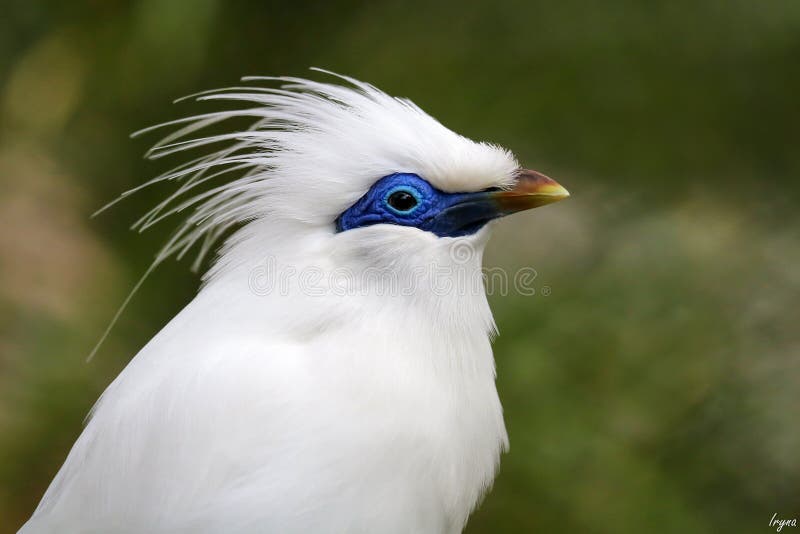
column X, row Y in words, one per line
column 330, row 376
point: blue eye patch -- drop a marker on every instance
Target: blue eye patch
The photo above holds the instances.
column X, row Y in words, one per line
column 407, row 199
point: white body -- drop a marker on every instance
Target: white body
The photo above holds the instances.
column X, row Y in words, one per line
column 293, row 413
column 304, row 410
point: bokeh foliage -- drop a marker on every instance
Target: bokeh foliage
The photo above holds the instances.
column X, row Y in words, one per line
column 653, row 382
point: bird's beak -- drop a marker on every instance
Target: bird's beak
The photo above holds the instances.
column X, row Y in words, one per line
column 532, row 189
column 466, row 213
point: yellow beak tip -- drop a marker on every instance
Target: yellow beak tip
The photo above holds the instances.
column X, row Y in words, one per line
column 555, row 191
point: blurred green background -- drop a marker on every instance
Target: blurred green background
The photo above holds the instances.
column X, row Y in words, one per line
column 651, row 385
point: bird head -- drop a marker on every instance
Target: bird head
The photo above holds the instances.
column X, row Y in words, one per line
column 365, row 176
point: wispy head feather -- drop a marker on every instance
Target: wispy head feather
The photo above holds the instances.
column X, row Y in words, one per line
column 312, row 150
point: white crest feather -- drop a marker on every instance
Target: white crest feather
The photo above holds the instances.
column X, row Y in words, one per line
column 302, row 139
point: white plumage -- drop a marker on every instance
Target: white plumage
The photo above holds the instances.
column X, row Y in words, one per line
column 298, row 410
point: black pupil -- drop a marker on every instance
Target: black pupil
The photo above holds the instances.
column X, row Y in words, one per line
column 402, row 200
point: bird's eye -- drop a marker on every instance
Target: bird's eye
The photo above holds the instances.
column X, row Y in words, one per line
column 402, row 200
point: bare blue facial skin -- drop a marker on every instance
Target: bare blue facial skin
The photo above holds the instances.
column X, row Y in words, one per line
column 409, row 200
